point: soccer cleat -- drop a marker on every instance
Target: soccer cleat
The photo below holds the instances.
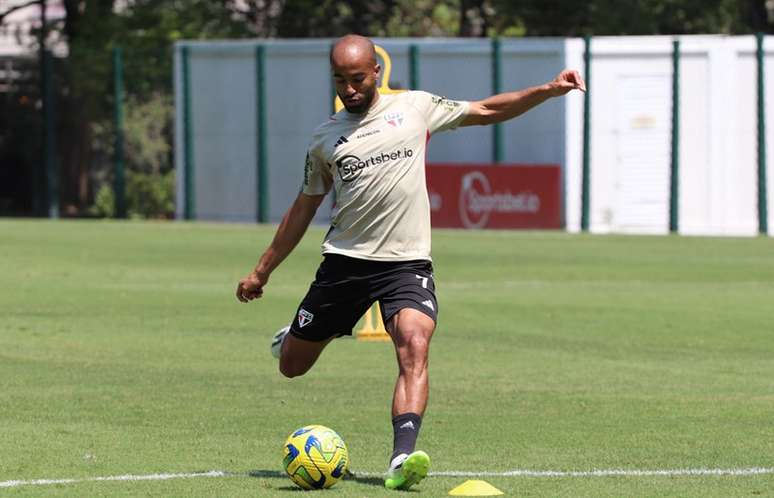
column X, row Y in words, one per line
column 277, row 340
column 405, row 471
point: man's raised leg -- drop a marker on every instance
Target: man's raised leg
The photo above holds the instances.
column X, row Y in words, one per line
column 297, row 355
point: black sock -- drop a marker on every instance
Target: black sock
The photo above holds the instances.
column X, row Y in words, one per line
column 405, row 428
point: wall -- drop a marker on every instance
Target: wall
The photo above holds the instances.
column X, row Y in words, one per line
column 631, row 104
column 299, row 94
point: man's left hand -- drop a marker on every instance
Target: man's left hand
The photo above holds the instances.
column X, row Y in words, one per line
column 567, row 80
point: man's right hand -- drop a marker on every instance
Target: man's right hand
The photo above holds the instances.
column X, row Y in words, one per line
column 289, row 232
column 251, row 287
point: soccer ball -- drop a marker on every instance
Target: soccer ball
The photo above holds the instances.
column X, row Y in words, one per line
column 315, row 457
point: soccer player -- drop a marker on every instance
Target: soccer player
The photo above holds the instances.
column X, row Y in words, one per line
column 378, row 246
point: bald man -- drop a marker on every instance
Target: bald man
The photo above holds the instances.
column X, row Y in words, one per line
column 378, row 246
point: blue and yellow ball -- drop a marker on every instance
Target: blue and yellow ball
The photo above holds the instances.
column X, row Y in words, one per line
column 315, row 457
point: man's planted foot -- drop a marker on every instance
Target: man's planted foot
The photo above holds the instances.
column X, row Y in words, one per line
column 407, row 470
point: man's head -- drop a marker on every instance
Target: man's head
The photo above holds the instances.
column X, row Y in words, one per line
column 355, row 72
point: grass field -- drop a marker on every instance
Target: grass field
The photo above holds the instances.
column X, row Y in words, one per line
column 124, row 351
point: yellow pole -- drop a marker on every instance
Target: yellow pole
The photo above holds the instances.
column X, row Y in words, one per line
column 373, row 326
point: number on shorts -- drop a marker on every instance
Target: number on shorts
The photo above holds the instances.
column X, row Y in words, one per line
column 424, row 281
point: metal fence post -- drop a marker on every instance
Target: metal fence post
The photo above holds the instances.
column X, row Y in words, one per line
column 50, row 146
column 763, row 215
column 585, row 180
column 261, row 167
column 334, row 94
column 497, row 130
column 119, row 180
column 674, row 184
column 413, row 67
column 188, row 162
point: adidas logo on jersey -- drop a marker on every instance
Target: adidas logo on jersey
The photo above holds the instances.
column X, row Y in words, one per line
column 341, row 140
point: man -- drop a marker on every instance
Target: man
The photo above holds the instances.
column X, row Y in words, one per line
column 378, row 247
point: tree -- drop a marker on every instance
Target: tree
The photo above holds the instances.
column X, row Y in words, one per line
column 333, row 18
column 147, row 30
column 475, row 17
column 632, row 17
column 87, row 26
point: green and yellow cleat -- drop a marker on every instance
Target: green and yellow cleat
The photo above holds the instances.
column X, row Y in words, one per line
column 277, row 340
column 403, row 475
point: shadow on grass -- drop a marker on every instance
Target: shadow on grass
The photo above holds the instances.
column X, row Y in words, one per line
column 373, row 481
column 275, row 474
column 271, row 474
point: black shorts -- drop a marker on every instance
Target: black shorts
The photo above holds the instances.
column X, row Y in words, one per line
column 344, row 288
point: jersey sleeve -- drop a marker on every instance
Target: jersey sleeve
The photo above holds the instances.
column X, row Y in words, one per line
column 317, row 178
column 440, row 113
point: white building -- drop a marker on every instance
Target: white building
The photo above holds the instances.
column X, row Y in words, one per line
column 19, row 26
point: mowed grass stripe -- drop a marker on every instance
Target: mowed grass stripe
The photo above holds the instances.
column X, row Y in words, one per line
column 449, row 473
column 124, row 352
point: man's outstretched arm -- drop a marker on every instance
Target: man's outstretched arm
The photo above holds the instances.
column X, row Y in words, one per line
column 289, row 233
column 505, row 106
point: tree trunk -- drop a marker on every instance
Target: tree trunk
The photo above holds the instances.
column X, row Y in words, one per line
column 81, row 107
column 758, row 15
column 474, row 20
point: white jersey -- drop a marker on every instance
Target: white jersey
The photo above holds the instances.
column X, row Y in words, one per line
column 376, row 163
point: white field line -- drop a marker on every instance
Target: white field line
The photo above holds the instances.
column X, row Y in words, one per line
column 599, row 473
column 450, row 473
column 149, row 477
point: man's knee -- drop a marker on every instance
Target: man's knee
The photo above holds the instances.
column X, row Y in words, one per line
column 413, row 352
column 413, row 336
column 417, row 344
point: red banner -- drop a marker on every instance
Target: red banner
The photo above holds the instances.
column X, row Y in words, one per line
column 488, row 196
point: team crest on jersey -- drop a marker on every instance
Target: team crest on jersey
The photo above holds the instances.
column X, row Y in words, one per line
column 304, row 318
column 394, row 119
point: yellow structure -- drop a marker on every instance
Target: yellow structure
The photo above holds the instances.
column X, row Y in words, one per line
column 373, row 326
column 384, row 86
column 475, row 488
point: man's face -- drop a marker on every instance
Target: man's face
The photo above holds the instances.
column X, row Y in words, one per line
column 355, row 80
